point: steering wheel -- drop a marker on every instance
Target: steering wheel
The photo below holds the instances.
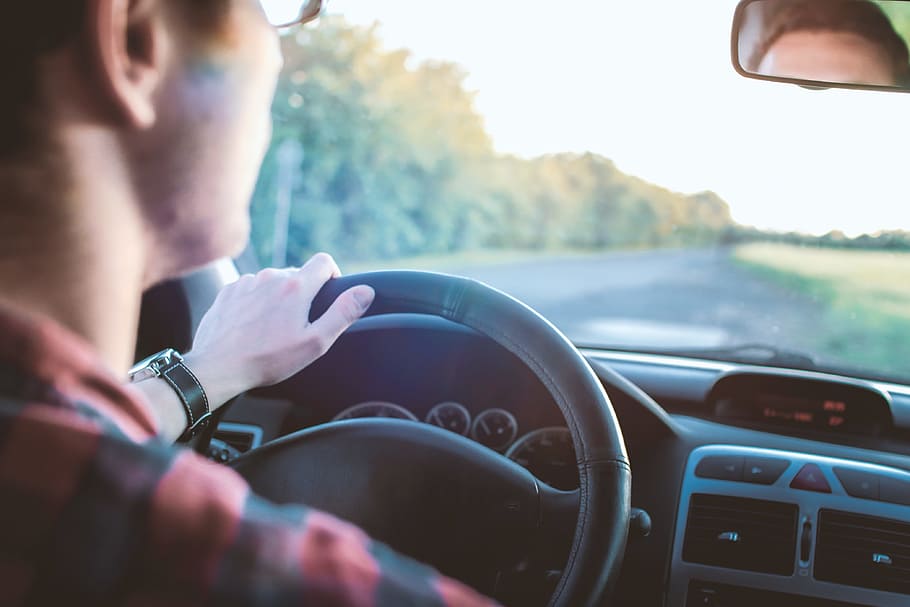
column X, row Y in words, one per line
column 446, row 500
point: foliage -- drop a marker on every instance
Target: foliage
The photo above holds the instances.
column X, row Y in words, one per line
column 886, row 240
column 899, row 14
column 396, row 162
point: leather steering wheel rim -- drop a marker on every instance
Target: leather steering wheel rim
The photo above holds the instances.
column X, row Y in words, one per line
column 371, row 453
column 603, row 465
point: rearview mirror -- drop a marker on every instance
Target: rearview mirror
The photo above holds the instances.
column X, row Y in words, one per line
column 857, row 44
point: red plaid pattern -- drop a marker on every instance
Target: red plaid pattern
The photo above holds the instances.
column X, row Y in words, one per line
column 95, row 510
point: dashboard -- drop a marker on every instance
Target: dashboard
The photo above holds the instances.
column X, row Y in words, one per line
column 761, row 486
column 547, row 452
column 772, row 503
column 437, row 374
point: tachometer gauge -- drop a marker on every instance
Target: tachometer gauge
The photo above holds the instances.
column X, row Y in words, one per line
column 549, row 455
column 452, row 416
column 495, row 428
column 375, row 409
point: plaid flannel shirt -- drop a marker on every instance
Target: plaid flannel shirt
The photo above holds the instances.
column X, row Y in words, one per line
column 96, row 510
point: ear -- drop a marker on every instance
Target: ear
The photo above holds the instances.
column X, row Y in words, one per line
column 125, row 44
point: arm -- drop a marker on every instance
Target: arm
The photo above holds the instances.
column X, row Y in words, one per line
column 267, row 555
column 257, row 333
column 124, row 523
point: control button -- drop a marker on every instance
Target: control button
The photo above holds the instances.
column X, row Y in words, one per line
column 810, row 478
column 722, row 467
column 858, row 483
column 764, row 470
column 894, row 491
column 640, row 522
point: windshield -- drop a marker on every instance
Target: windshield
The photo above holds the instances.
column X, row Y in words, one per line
column 605, row 164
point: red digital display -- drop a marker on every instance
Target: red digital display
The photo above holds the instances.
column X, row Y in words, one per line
column 835, row 406
column 800, row 404
column 793, row 411
column 829, row 413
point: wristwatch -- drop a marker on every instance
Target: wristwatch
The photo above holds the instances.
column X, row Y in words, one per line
column 169, row 366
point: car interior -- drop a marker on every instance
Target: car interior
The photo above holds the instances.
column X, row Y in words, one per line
column 461, row 427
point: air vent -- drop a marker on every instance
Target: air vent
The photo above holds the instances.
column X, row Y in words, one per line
column 740, row 533
column 242, row 437
column 863, row 551
column 242, row 441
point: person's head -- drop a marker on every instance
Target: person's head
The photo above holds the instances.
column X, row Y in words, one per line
column 829, row 41
column 167, row 101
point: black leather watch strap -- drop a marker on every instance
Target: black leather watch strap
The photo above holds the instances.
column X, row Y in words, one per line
column 191, row 394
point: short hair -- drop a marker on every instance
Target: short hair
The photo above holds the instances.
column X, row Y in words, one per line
column 27, row 32
column 860, row 17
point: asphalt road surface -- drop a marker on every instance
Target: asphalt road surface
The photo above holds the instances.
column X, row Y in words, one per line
column 658, row 299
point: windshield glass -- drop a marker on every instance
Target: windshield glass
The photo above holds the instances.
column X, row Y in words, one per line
column 605, row 164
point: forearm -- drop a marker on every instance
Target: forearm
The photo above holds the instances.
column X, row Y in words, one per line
column 168, row 409
column 258, row 333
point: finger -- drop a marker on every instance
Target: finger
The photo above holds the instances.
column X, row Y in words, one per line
column 344, row 312
column 322, row 259
column 314, row 274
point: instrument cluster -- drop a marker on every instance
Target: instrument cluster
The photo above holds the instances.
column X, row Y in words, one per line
column 547, row 452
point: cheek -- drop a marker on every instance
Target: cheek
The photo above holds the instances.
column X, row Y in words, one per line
column 245, row 53
column 235, row 70
column 198, row 169
column 235, row 97
column 211, row 138
column 228, row 114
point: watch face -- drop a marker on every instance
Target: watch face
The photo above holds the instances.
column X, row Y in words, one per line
column 151, row 366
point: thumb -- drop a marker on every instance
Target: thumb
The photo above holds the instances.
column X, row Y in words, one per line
column 345, row 311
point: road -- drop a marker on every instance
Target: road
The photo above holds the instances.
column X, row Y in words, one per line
column 658, row 299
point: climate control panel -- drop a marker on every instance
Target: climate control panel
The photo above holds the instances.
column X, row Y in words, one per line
column 809, row 527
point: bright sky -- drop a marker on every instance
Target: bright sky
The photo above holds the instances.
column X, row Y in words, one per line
column 650, row 85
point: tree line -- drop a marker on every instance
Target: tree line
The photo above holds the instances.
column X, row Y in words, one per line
column 885, row 240
column 378, row 156
column 390, row 159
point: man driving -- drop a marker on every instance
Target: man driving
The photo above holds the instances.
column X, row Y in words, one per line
column 131, row 134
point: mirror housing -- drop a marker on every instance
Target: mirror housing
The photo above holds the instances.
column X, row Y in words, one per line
column 821, row 44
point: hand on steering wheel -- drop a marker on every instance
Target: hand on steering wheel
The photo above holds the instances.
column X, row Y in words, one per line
column 258, row 332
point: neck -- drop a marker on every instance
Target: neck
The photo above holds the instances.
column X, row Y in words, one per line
column 69, row 249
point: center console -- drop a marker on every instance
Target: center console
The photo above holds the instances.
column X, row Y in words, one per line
column 766, row 527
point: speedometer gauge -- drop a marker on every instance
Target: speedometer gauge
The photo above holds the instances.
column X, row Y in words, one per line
column 495, row 428
column 375, row 409
column 451, row 416
column 549, row 455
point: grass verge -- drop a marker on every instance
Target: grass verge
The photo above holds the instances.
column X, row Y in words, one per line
column 865, row 297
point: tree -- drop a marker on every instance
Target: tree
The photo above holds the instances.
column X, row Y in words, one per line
column 396, row 161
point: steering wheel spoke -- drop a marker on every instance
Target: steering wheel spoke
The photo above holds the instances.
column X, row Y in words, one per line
column 558, row 520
